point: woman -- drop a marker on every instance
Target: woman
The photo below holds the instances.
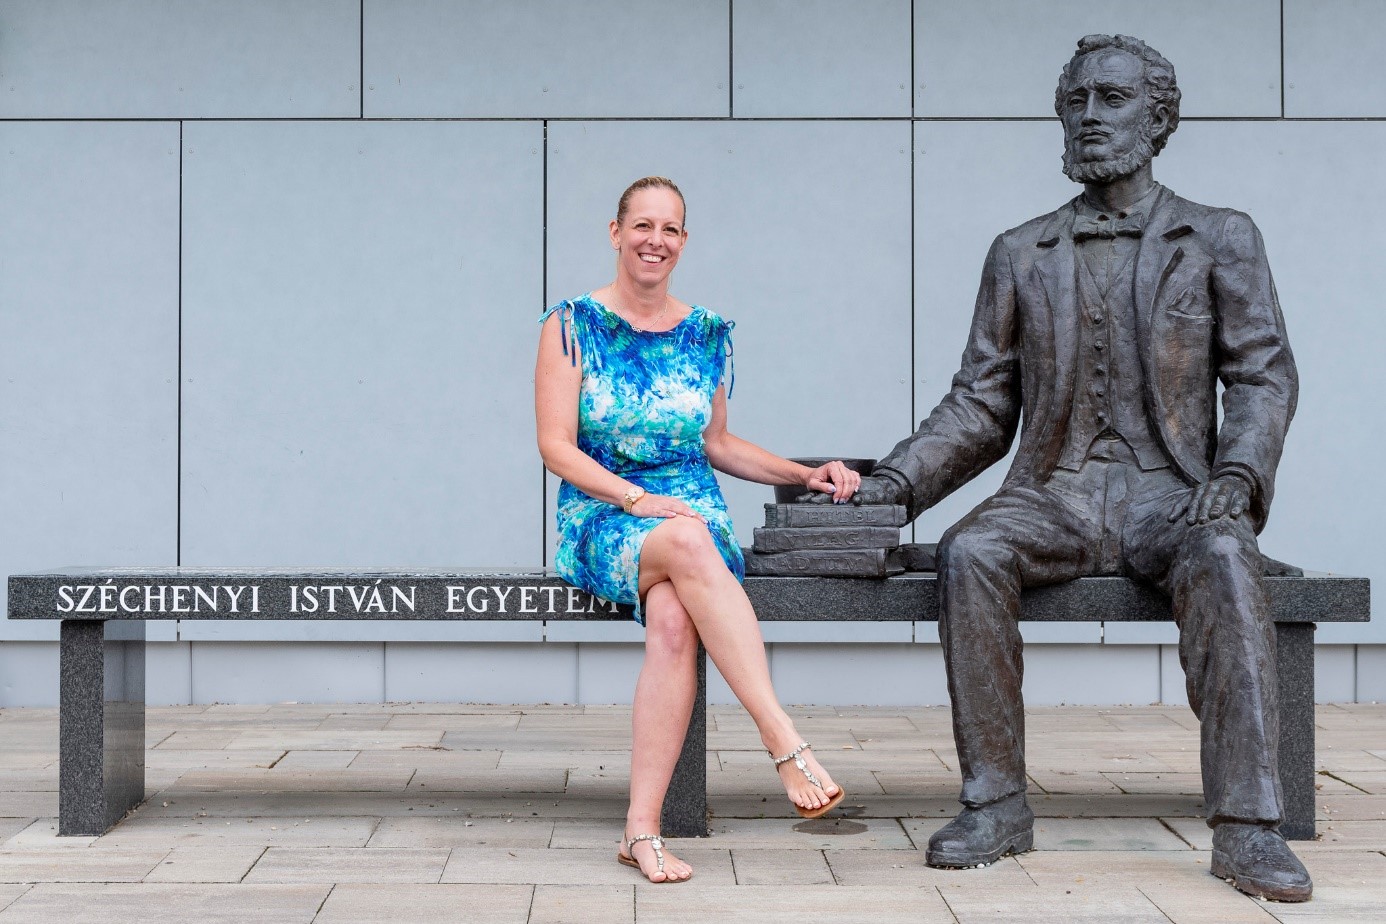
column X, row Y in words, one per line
column 632, row 415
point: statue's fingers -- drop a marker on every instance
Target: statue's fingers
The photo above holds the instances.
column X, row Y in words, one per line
column 1239, row 504
column 1195, row 499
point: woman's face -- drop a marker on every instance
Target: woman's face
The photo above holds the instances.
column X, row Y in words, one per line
column 648, row 242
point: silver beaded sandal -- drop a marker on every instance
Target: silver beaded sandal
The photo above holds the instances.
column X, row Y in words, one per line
column 796, row 755
column 657, row 842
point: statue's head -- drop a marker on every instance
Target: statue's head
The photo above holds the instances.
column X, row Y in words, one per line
column 1119, row 103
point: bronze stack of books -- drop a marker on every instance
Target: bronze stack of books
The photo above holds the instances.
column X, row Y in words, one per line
column 828, row 540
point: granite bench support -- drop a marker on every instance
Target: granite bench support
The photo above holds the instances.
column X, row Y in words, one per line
column 101, row 716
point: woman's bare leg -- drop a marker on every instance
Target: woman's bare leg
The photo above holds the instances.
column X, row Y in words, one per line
column 680, row 551
column 659, row 721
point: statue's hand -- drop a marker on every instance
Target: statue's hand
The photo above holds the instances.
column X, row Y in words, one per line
column 870, row 491
column 1224, row 496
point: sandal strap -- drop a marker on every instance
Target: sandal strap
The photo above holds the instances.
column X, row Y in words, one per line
column 656, row 841
column 790, row 756
column 796, row 755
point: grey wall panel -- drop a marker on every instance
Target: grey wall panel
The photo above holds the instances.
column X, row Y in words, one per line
column 1003, row 58
column 1314, row 190
column 799, row 232
column 234, row 672
column 481, row 673
column 821, row 58
column 973, row 180
column 28, row 674
column 168, row 674
column 1333, row 63
column 546, row 58
column 1335, row 673
column 1081, row 675
column 359, row 305
column 88, row 347
column 188, row 59
column 896, row 675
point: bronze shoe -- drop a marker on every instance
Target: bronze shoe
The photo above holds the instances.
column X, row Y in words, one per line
column 983, row 834
column 1257, row 861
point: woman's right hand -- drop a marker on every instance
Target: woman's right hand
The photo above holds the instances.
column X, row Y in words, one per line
column 658, row 505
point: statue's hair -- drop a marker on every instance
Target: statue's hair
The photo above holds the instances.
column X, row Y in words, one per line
column 648, row 182
column 1162, row 89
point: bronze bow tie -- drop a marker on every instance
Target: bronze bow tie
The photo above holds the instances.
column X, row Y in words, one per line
column 1088, row 228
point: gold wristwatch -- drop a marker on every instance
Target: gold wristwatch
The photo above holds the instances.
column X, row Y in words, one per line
column 629, row 499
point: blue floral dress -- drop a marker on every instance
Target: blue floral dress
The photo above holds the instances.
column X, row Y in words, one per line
column 645, row 400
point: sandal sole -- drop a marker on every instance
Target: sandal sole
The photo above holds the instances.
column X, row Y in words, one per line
column 833, row 803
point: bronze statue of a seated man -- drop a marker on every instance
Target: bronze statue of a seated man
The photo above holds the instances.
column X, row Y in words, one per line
column 1105, row 326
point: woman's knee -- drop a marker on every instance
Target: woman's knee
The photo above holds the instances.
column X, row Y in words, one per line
column 685, row 542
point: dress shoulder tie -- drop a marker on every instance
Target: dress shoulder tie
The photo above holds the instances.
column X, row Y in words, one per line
column 564, row 310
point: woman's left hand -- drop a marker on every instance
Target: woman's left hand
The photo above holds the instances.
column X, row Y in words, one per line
column 835, row 479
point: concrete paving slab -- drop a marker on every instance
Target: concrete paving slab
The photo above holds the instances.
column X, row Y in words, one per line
column 446, row 721
column 219, row 863
column 1059, row 869
column 28, row 804
column 1348, row 835
column 57, row 864
column 427, row 759
column 141, row 831
column 1193, row 831
column 906, row 868
column 1205, row 901
column 569, row 904
column 810, row 904
column 370, row 903
column 1127, row 805
column 345, row 864
column 759, row 867
column 818, row 834
column 166, row 904
column 277, row 780
column 9, row 891
column 1189, row 784
column 314, row 760
column 1330, row 905
column 1352, row 804
column 1104, row 834
column 160, row 760
column 10, row 827
column 354, row 721
column 43, row 832
column 1071, row 781
column 210, row 740
column 384, row 739
column 30, row 779
column 1106, row 904
column 457, row 831
column 553, row 780
column 581, row 866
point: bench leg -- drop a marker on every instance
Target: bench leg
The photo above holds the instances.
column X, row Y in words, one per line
column 1294, row 656
column 685, row 805
column 100, row 724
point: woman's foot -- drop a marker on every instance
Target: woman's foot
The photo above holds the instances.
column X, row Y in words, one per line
column 643, row 854
column 799, row 785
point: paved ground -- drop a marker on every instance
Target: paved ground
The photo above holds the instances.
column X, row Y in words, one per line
column 422, row 812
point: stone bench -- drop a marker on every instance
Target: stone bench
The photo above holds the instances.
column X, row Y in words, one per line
column 101, row 715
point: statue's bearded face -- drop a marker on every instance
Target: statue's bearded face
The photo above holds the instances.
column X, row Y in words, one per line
column 1107, row 121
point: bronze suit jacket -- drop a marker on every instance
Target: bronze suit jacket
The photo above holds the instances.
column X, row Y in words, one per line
column 1206, row 311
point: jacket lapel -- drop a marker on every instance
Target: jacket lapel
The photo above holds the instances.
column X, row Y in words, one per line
column 1056, row 268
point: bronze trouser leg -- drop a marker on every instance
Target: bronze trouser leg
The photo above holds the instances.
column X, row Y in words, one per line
column 1021, row 537
column 1212, row 573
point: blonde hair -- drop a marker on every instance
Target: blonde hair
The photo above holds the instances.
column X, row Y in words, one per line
column 648, row 182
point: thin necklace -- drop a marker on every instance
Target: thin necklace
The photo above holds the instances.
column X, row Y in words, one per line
column 652, row 322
